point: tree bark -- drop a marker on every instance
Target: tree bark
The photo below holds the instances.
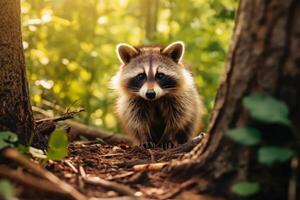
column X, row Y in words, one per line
column 15, row 108
column 264, row 57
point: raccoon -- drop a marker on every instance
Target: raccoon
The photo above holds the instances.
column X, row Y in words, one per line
column 158, row 102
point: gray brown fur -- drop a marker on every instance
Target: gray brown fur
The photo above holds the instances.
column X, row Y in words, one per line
column 174, row 115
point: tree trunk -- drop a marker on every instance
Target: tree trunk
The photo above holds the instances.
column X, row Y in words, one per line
column 149, row 9
column 15, row 108
column 264, row 57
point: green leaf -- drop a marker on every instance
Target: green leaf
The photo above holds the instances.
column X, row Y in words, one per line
column 245, row 188
column 58, row 145
column 6, row 189
column 7, row 139
column 245, row 136
column 267, row 109
column 269, row 155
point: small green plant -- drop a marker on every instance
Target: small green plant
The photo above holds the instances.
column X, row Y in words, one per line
column 58, row 145
column 7, row 139
column 6, row 189
column 265, row 110
column 245, row 188
column 270, row 155
column 245, row 136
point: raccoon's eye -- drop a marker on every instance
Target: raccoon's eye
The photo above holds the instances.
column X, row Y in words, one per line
column 160, row 75
column 141, row 76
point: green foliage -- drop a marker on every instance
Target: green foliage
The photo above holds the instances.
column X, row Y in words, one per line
column 58, row 145
column 269, row 155
column 245, row 188
column 267, row 109
column 7, row 139
column 6, row 189
column 245, row 136
column 70, row 48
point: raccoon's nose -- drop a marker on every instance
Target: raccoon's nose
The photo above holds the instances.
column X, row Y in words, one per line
column 150, row 94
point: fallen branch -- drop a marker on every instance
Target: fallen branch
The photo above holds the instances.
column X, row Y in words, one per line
column 39, row 171
column 29, row 180
column 77, row 129
column 122, row 189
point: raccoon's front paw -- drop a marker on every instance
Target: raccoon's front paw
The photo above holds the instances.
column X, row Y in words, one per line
column 148, row 145
column 166, row 145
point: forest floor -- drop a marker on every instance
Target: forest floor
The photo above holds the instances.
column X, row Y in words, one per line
column 101, row 171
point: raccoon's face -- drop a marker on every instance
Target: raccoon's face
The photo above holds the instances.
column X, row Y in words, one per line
column 151, row 72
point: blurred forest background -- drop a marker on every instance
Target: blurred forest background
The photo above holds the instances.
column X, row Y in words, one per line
column 70, row 48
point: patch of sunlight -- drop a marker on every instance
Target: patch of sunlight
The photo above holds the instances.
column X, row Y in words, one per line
column 162, row 27
column 37, row 98
column 94, row 54
column 44, row 60
column 97, row 114
column 32, row 28
column 47, row 84
column 98, row 122
column 123, row 3
column 33, row 21
column 33, row 77
column 110, row 121
column 85, row 75
column 98, row 94
column 65, row 61
column 25, row 45
column 87, row 47
column 72, row 66
column 56, row 88
column 219, row 31
column 102, row 20
column 47, row 17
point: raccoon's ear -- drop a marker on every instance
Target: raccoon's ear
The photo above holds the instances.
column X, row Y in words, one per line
column 125, row 52
column 175, row 51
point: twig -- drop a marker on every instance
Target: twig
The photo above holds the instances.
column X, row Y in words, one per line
column 111, row 155
column 150, row 167
column 30, row 180
column 71, row 166
column 121, row 176
column 178, row 189
column 68, row 115
column 151, row 155
column 131, row 163
column 36, row 169
column 92, row 133
column 122, row 189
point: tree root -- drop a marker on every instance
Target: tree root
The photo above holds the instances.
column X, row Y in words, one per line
column 64, row 187
column 122, row 189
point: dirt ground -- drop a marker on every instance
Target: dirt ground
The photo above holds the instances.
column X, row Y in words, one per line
column 119, row 165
